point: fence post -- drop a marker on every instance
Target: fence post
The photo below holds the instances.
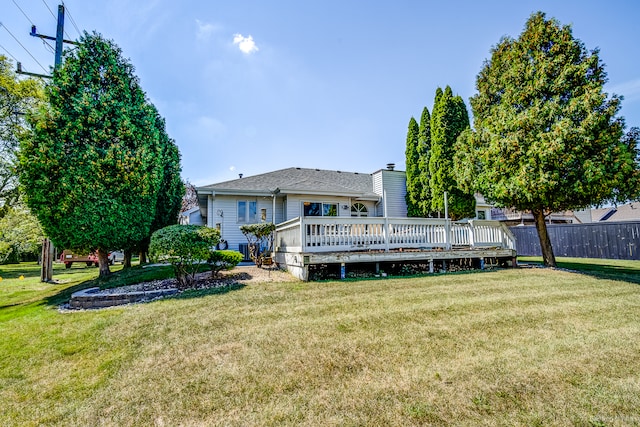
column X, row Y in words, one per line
column 447, row 234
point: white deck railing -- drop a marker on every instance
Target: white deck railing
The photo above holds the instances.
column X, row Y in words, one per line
column 338, row 234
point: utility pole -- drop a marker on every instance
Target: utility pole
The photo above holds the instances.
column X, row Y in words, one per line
column 46, row 270
column 59, row 39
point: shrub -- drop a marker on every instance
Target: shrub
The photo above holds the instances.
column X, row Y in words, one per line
column 185, row 247
column 260, row 238
column 223, row 260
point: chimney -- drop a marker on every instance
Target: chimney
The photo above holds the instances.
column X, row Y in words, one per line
column 391, row 166
column 240, row 175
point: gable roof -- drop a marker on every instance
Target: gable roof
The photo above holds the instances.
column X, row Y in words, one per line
column 628, row 212
column 298, row 181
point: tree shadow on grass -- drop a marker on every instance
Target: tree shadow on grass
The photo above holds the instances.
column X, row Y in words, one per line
column 600, row 271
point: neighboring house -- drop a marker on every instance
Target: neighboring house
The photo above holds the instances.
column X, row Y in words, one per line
column 191, row 216
column 628, row 212
column 289, row 193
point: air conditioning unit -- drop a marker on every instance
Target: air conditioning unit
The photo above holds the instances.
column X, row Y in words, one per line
column 243, row 248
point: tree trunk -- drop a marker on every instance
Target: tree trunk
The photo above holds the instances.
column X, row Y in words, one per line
column 545, row 242
column 103, row 263
column 126, row 262
column 46, row 271
column 143, row 257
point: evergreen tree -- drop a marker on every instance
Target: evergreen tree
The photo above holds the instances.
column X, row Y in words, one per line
column 546, row 136
column 424, row 151
column 414, row 183
column 170, row 194
column 92, row 168
column 448, row 121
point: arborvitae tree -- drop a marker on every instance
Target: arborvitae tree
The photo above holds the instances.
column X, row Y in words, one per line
column 448, row 120
column 170, row 194
column 546, row 136
column 414, row 183
column 424, row 151
column 92, row 168
column 17, row 97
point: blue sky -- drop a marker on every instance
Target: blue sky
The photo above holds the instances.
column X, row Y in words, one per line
column 253, row 86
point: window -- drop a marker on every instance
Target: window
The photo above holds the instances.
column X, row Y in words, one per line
column 359, row 209
column 247, row 211
column 482, row 215
column 320, row 209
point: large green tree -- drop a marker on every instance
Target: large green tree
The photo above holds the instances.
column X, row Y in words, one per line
column 17, row 97
column 448, row 120
column 414, row 184
column 546, row 135
column 172, row 189
column 91, row 169
column 20, row 235
column 424, row 151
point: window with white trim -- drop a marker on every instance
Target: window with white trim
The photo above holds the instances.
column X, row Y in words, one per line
column 247, row 211
column 359, row 209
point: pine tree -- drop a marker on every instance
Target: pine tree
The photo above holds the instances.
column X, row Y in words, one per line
column 414, row 183
column 424, row 151
column 448, row 121
column 546, row 135
column 92, row 168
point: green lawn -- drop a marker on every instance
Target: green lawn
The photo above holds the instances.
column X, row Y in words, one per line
column 509, row 347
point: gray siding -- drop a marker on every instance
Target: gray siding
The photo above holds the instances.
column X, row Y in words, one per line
column 224, row 211
column 391, row 186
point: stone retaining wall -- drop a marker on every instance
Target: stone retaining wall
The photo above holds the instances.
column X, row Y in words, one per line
column 93, row 298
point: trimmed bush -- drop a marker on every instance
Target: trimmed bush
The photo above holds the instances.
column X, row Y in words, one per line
column 223, row 260
column 186, row 247
column 260, row 238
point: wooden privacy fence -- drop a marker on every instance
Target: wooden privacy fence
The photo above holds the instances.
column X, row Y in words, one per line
column 617, row 240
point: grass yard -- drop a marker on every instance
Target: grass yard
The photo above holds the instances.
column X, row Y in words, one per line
column 511, row 347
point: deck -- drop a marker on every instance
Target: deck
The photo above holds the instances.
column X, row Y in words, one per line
column 306, row 241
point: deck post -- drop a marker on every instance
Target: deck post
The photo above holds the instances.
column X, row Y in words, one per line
column 303, row 243
column 430, row 265
column 386, row 234
column 447, row 234
column 472, row 234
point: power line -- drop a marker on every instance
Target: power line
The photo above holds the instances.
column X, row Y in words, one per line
column 54, row 16
column 48, row 46
column 50, row 11
column 9, row 53
column 72, row 20
column 26, row 50
column 25, row 15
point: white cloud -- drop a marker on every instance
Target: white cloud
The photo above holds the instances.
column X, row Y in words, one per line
column 205, row 29
column 232, row 168
column 245, row 44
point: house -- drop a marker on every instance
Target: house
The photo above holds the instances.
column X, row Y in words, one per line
column 191, row 216
column 627, row 212
column 285, row 194
column 337, row 218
